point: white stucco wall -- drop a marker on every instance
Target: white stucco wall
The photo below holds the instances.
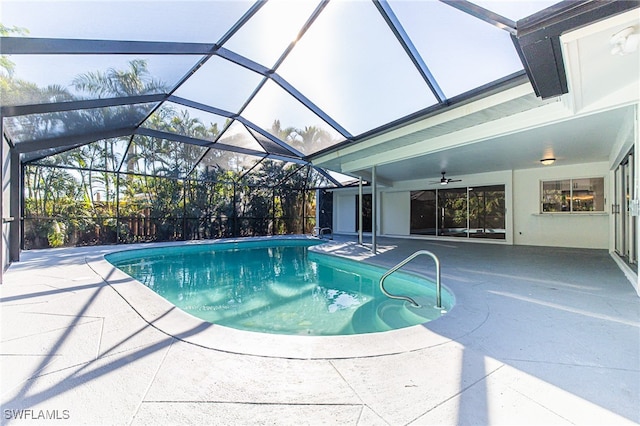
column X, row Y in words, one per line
column 524, row 223
column 395, row 213
column 344, row 211
column 584, row 230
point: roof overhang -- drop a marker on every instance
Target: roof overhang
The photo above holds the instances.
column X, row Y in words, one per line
column 537, row 40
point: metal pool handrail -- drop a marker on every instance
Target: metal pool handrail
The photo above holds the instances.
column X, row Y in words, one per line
column 319, row 232
column 404, row 262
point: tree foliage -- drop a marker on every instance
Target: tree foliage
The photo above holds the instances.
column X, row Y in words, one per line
column 153, row 189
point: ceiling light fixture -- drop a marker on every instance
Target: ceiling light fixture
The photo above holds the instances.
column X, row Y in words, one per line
column 547, row 161
column 624, row 42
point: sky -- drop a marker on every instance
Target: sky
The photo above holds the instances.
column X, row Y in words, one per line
column 348, row 63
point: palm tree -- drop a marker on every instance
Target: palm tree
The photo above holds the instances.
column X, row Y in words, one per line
column 313, row 138
column 136, row 80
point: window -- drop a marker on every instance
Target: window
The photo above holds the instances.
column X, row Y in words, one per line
column 459, row 212
column 573, row 195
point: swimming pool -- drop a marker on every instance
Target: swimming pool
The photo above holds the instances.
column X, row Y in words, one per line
column 279, row 286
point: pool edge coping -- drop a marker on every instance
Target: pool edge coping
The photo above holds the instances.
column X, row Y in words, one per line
column 169, row 319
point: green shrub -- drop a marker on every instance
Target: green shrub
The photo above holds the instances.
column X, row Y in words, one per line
column 57, row 234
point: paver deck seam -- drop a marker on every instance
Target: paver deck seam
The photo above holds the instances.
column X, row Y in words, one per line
column 7, row 305
column 570, row 364
column 106, row 284
column 47, row 331
column 538, row 403
column 58, row 292
column 28, row 354
column 266, row 403
column 100, row 338
column 55, row 314
column 11, row 285
column 73, row 375
column 79, row 365
column 52, row 359
column 363, row 404
column 151, row 381
column 460, row 392
column 62, row 295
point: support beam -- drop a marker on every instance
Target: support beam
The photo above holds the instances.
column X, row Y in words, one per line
column 241, row 22
column 18, row 110
column 318, row 205
column 243, row 61
column 2, row 215
column 486, row 15
column 411, row 51
column 69, row 141
column 209, row 144
column 15, row 207
column 374, row 208
column 39, row 155
column 327, row 176
column 201, row 107
column 283, row 146
column 310, row 105
column 365, row 174
column 360, row 210
column 61, row 46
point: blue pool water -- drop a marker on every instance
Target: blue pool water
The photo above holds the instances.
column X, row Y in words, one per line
column 279, row 286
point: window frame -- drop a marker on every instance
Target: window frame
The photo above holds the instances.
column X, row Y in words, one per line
column 571, row 210
column 441, row 209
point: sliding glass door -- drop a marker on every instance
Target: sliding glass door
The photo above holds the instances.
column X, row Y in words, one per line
column 625, row 222
column 486, row 212
column 476, row 212
column 423, row 212
column 452, row 205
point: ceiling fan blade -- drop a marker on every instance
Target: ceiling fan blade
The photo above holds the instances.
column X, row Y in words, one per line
column 444, row 180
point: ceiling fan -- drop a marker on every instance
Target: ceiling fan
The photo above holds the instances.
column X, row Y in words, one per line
column 445, row 180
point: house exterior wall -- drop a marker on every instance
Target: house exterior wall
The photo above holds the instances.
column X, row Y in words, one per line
column 581, row 230
column 395, row 212
column 344, row 211
column 524, row 223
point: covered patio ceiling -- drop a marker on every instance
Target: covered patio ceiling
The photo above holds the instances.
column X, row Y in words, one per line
column 583, row 140
column 302, row 82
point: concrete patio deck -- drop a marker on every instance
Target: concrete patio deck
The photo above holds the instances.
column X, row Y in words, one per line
column 538, row 336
